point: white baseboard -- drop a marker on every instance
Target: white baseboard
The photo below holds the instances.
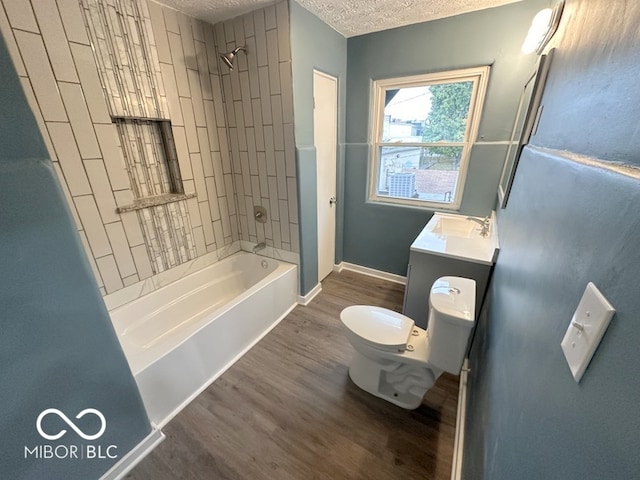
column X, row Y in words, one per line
column 458, row 446
column 131, row 459
column 305, row 299
column 372, row 272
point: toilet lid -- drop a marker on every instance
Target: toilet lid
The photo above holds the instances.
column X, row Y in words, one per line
column 382, row 328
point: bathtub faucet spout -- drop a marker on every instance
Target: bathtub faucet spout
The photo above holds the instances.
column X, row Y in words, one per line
column 259, row 246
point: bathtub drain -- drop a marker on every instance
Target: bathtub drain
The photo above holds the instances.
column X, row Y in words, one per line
column 264, row 264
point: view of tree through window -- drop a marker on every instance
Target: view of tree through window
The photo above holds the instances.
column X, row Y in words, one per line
column 422, row 138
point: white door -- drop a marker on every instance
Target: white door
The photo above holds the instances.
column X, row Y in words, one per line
column 325, row 131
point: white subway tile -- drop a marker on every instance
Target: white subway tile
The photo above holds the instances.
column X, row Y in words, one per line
column 248, row 25
column 80, row 120
column 270, row 17
column 198, row 30
column 132, row 228
column 121, row 250
column 72, row 19
column 123, row 197
column 277, row 236
column 281, row 175
column 67, row 153
column 225, row 217
column 33, row 104
column 198, row 238
column 182, row 150
column 141, row 259
column 295, row 238
column 251, row 150
column 290, row 150
column 282, row 17
column 198, row 177
column 273, row 59
column 12, row 46
column 196, row 97
column 278, row 128
column 109, row 273
column 212, row 194
column 218, row 232
column 67, row 195
column 171, row 20
column 261, row 38
column 224, row 150
column 44, row 85
column 101, row 190
column 284, row 221
column 262, row 173
column 229, row 189
column 131, row 280
column 92, row 225
column 169, row 80
column 269, row 150
column 194, row 212
column 286, row 90
column 212, row 131
column 292, row 199
column 203, row 71
column 273, row 198
column 55, row 41
column 265, row 95
column 21, row 15
column 207, row 227
column 91, row 86
column 160, row 32
column 92, row 261
column 251, row 222
column 179, row 65
column 189, row 125
column 186, row 35
column 112, row 155
column 205, row 152
column 255, row 190
column 228, row 31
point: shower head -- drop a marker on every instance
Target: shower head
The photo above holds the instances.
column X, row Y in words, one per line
column 227, row 58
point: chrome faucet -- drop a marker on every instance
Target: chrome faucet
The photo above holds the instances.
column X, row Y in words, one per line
column 259, row 246
column 485, row 223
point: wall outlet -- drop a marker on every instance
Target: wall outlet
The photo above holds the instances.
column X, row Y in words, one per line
column 586, row 329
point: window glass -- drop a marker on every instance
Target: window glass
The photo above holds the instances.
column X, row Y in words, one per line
column 423, row 129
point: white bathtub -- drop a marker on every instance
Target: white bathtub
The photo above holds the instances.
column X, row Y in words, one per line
column 181, row 337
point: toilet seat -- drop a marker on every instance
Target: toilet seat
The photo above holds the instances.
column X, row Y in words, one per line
column 378, row 327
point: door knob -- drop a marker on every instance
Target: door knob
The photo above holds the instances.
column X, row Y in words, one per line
column 333, row 201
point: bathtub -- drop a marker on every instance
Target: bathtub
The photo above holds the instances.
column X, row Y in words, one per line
column 181, row 337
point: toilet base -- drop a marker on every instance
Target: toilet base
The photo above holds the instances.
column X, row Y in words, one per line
column 394, row 382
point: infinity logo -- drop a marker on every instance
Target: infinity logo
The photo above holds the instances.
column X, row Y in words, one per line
column 46, row 412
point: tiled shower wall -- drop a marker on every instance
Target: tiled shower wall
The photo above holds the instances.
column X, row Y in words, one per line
column 258, row 101
column 52, row 53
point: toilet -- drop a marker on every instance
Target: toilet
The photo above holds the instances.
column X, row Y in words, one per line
column 399, row 362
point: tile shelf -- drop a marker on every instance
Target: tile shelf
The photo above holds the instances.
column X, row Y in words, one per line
column 154, row 201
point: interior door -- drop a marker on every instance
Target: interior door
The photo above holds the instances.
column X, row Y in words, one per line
column 325, row 131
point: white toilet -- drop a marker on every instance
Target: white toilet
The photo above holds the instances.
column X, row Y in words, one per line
column 399, row 362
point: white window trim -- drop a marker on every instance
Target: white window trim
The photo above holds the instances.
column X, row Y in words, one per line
column 480, row 78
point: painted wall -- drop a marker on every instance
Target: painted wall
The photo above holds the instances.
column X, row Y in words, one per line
column 57, row 348
column 329, row 56
column 567, row 222
column 379, row 236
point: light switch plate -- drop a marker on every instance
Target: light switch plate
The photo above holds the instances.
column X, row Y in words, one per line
column 586, row 329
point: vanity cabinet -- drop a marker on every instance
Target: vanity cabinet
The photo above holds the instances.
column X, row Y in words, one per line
column 450, row 245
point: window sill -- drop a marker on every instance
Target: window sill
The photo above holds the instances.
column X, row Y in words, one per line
column 147, row 202
column 415, row 204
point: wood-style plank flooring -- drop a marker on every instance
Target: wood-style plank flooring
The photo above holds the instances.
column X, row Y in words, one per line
column 288, row 410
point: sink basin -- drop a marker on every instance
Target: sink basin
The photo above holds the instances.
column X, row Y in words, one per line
column 456, row 236
column 455, row 226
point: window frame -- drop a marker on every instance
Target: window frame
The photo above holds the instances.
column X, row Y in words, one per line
column 480, row 78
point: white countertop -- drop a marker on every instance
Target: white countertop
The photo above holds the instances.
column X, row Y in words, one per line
column 454, row 236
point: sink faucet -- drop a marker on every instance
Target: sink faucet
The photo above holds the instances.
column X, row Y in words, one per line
column 259, row 246
column 485, row 223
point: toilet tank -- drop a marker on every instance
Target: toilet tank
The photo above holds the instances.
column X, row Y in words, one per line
column 451, row 319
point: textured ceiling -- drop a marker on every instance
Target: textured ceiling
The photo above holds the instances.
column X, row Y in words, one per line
column 349, row 17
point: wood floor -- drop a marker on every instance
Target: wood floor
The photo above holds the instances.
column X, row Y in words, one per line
column 288, row 410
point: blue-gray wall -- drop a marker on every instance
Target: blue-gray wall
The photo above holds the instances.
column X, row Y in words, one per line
column 57, row 346
column 567, row 223
column 314, row 45
column 379, row 236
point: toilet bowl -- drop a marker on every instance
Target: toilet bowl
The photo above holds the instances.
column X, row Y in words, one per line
column 399, row 362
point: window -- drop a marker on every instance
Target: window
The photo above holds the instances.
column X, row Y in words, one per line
column 422, row 131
